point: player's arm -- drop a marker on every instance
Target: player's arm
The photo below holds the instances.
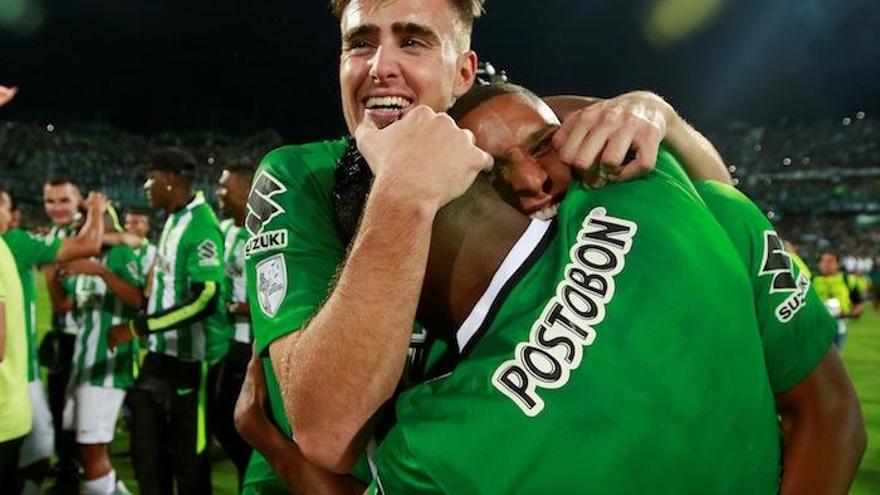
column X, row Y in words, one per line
column 88, row 241
column 823, row 431
column 337, row 371
column 297, row 473
column 602, row 132
column 127, row 292
column 61, row 300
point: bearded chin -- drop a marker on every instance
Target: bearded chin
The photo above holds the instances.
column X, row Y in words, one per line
column 350, row 189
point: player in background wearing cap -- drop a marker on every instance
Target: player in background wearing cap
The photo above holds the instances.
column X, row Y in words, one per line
column 183, row 322
column 100, row 291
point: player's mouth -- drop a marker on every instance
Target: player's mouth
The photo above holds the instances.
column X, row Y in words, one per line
column 384, row 110
column 546, row 212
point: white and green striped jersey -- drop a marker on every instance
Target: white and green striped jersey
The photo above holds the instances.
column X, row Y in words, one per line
column 189, row 253
column 96, row 310
column 146, row 254
column 56, row 232
column 234, row 239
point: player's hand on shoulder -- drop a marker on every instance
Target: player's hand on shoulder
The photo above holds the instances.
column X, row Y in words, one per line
column 425, row 156
column 615, row 139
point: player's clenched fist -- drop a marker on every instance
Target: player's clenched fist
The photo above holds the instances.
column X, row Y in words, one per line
column 424, row 158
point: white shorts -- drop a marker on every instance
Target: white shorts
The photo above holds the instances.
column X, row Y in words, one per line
column 91, row 412
column 40, row 442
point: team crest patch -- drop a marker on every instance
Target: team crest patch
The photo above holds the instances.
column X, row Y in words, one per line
column 207, row 251
column 271, row 284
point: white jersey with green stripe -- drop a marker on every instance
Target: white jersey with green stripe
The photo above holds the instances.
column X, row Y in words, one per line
column 190, row 252
column 97, row 309
column 57, row 232
column 146, row 254
column 234, row 239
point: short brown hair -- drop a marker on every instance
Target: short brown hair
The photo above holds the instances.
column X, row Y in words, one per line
column 467, row 10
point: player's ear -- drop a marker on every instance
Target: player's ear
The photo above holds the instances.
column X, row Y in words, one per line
column 466, row 71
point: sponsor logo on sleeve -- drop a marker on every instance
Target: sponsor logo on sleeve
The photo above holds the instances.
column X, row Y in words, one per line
column 267, row 241
column 776, row 262
column 271, row 284
column 261, row 207
column 558, row 339
column 208, row 255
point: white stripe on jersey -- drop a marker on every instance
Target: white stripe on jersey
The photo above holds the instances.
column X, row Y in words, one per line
column 514, row 259
column 168, row 249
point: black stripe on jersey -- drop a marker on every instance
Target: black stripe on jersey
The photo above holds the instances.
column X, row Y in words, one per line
column 536, row 253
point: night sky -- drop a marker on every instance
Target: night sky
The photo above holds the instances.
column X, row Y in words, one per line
column 239, row 66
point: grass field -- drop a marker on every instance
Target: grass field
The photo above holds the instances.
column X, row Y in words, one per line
column 861, row 355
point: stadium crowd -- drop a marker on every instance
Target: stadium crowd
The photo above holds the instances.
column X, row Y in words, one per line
column 241, row 329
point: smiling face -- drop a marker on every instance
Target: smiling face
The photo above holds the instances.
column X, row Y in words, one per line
column 61, row 202
column 517, row 129
column 397, row 54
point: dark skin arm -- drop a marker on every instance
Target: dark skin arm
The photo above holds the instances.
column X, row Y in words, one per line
column 61, row 302
column 823, row 431
column 297, row 473
column 128, row 293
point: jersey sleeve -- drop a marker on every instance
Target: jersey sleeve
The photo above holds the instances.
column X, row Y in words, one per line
column 397, row 468
column 32, row 250
column 123, row 261
column 203, row 249
column 293, row 251
column 796, row 328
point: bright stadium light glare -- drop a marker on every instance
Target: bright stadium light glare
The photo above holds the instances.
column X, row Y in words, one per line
column 771, row 215
column 671, row 21
column 210, row 160
column 860, row 115
column 50, row 128
column 847, row 121
column 732, row 168
column 786, row 161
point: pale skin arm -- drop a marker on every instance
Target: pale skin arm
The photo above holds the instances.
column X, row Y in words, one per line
column 297, row 473
column 824, row 434
column 88, row 241
column 338, row 371
column 601, row 132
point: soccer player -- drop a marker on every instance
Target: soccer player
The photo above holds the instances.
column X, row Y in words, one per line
column 528, row 364
column 831, row 284
column 100, row 291
column 397, row 57
column 138, row 223
column 228, row 374
column 186, row 332
column 63, row 203
column 31, row 251
column 15, row 404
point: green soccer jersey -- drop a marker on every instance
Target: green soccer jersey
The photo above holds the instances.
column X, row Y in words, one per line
column 291, row 256
column 615, row 351
column 190, row 251
column 234, row 239
column 796, row 328
column 98, row 309
column 30, row 251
